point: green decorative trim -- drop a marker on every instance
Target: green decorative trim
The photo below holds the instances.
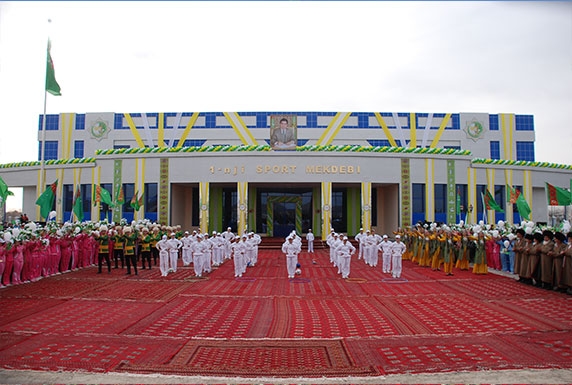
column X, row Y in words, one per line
column 525, row 163
column 330, row 148
column 50, row 162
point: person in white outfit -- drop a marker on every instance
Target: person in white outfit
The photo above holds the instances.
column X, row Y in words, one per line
column 385, row 248
column 187, row 254
column 359, row 237
column 218, row 248
column 238, row 254
column 200, row 248
column 397, row 251
column 208, row 255
column 291, row 250
column 174, row 246
column 310, row 240
column 344, row 253
column 257, row 240
column 163, row 248
column 228, row 235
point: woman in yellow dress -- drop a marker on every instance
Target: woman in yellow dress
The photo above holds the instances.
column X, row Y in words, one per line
column 480, row 265
column 463, row 250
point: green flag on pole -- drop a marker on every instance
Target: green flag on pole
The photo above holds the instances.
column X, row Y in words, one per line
column 52, row 85
column 46, row 200
column 490, row 202
column 4, row 192
column 557, row 196
column 78, row 205
column 522, row 206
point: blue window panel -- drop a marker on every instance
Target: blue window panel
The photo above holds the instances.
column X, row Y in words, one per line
column 52, row 122
column 525, row 151
column 261, row 120
column 312, row 120
column 363, row 119
column 190, row 142
column 210, row 119
column 524, row 122
column 495, row 149
column 441, row 217
column 379, row 142
column 453, row 147
column 440, row 195
column 493, row 122
column 78, row 149
column 456, row 122
column 50, row 150
column 302, row 142
column 118, row 146
column 80, row 121
column 118, row 122
column 422, row 115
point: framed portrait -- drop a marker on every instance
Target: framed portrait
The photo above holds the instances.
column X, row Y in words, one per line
column 283, row 132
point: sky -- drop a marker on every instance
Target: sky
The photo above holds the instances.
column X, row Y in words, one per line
column 184, row 56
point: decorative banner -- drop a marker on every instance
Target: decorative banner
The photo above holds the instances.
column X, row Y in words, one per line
column 366, row 205
column 451, row 193
column 164, row 191
column 204, row 209
column 241, row 227
column 117, row 185
column 326, row 209
column 405, row 193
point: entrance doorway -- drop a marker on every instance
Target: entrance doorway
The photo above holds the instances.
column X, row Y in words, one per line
column 283, row 214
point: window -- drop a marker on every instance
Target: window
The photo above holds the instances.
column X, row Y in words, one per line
column 50, row 150
column 105, row 211
column 525, row 151
column 440, row 191
column 379, row 142
column 52, row 122
column 453, row 147
column 128, row 192
column 339, row 210
column 190, row 142
column 493, row 122
column 524, row 122
column 495, row 149
column 150, row 201
column 80, row 121
column 78, row 149
column 418, row 202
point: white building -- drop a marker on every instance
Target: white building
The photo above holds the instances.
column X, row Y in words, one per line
column 349, row 169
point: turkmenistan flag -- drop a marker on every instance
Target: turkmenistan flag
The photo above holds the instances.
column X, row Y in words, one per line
column 46, row 200
column 52, row 85
column 557, row 196
column 135, row 201
column 4, row 192
column 101, row 195
column 522, row 206
column 78, row 205
column 490, row 202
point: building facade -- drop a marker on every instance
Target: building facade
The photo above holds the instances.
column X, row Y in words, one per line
column 341, row 170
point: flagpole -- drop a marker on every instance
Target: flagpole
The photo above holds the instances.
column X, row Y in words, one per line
column 43, row 149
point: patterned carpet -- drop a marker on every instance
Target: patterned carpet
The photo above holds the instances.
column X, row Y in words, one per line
column 264, row 324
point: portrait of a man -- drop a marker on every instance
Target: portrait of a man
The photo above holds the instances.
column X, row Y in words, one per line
column 283, row 135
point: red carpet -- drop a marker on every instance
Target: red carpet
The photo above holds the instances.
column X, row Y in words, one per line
column 264, row 324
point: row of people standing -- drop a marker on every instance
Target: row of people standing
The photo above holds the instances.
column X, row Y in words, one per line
column 544, row 259
column 371, row 245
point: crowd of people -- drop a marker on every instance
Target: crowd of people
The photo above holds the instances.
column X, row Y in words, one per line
column 538, row 255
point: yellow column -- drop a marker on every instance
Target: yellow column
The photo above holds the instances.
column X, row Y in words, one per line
column 204, row 210
column 326, row 208
column 241, row 227
column 366, row 205
column 471, row 194
column 429, row 190
column 491, row 188
column 509, row 216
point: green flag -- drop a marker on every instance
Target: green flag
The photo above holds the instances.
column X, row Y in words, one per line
column 78, row 205
column 101, row 195
column 557, row 196
column 4, row 192
column 135, row 202
column 52, row 85
column 46, row 200
column 458, row 202
column 522, row 206
column 490, row 202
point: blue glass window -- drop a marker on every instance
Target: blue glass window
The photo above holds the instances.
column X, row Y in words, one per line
column 440, row 191
column 50, row 150
column 379, row 142
column 80, row 121
column 525, row 151
column 78, row 149
column 493, row 122
column 524, row 122
column 495, row 149
column 52, row 122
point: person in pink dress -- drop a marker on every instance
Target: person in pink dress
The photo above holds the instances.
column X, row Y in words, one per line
column 18, row 262
column 9, row 267
column 66, row 250
column 3, row 255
